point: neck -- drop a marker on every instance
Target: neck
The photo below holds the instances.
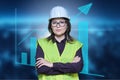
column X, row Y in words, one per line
column 59, row 38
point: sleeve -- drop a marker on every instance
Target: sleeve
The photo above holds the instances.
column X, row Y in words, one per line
column 59, row 68
column 70, row 67
column 39, row 53
column 44, row 69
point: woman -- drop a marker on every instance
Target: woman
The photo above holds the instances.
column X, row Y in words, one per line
column 59, row 56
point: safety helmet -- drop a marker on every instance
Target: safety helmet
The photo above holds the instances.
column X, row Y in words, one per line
column 58, row 12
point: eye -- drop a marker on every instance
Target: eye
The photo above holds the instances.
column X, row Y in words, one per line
column 62, row 22
column 54, row 22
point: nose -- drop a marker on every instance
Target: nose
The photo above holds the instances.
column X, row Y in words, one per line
column 58, row 25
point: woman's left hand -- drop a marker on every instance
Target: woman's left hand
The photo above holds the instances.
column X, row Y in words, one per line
column 42, row 62
column 76, row 59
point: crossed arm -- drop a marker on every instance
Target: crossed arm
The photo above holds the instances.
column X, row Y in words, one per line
column 46, row 67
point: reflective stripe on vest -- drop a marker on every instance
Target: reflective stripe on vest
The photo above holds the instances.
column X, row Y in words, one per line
column 51, row 54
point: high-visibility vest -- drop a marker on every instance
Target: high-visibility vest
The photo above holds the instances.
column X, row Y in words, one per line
column 51, row 54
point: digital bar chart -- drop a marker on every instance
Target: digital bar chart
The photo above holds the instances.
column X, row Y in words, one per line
column 32, row 50
column 24, row 58
column 83, row 37
column 24, row 55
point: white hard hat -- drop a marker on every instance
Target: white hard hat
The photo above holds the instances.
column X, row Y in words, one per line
column 58, row 12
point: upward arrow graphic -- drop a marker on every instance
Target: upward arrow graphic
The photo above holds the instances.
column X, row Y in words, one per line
column 85, row 9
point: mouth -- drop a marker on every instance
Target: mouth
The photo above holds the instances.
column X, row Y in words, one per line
column 58, row 30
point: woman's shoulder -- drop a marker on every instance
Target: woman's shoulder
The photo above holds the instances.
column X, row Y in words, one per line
column 77, row 42
column 42, row 39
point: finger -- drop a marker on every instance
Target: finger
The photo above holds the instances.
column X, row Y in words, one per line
column 78, row 59
column 40, row 65
column 77, row 56
column 38, row 61
column 39, row 58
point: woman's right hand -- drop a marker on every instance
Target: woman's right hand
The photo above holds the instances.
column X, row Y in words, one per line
column 42, row 62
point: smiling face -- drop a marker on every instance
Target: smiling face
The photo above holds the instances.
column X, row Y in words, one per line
column 59, row 26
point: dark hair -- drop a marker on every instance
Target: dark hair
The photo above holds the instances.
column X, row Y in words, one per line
column 67, row 33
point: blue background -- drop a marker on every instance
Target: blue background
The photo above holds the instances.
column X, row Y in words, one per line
column 32, row 15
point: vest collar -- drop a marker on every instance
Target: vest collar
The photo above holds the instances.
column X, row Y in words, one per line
column 63, row 41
